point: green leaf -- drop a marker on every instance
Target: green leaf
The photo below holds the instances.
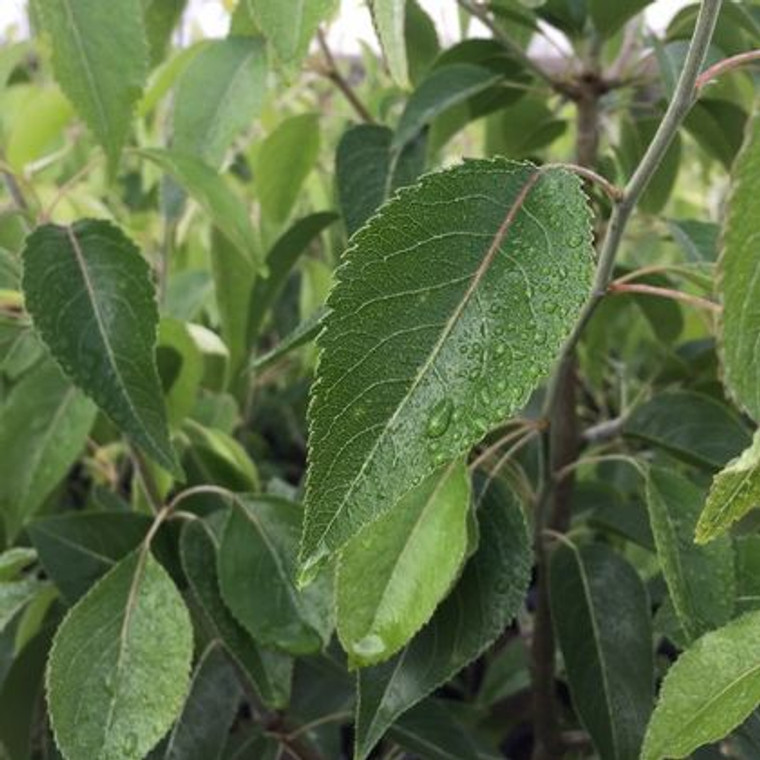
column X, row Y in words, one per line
column 415, row 551
column 11, row 56
column 161, row 18
column 701, row 579
column 422, row 44
column 280, row 262
column 100, row 59
column 13, row 561
column 718, row 126
column 389, row 18
column 210, row 708
column 14, row 596
column 44, row 423
column 734, row 492
column 214, row 195
column 609, row 17
column 91, row 298
column 482, row 604
column 709, row 691
column 257, row 562
column 180, row 366
column 601, row 615
column 295, row 144
column 304, row 333
column 445, row 87
column 738, row 281
column 218, row 96
column 269, row 672
column 477, row 295
column 691, row 426
column 523, row 128
column 368, row 172
column 289, row 25
column 697, row 239
column 135, row 627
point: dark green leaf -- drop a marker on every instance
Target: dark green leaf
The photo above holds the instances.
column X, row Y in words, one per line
column 477, row 295
column 422, row 44
column 304, row 333
column 134, row 625
column 90, row 295
column 601, row 614
column 697, row 239
column 718, row 126
column 610, row 17
column 482, row 604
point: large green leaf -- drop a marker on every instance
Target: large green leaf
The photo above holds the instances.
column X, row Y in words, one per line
column 415, row 551
column 368, row 172
column 450, row 307
column 738, row 280
column 211, row 706
column 734, row 492
column 601, row 614
column 701, row 579
column 100, row 59
column 389, row 17
column 268, row 671
column 295, row 144
column 91, row 298
column 257, row 562
column 209, row 189
column 482, row 604
column 120, row 664
column 709, row 691
column 44, row 423
column 691, row 426
column 219, row 95
column 289, row 25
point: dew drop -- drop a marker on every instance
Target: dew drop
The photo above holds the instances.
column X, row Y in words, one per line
column 440, row 418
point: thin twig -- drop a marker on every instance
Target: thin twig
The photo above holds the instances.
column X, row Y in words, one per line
column 569, row 469
column 64, row 189
column 614, row 193
column 673, row 295
column 498, row 445
column 335, row 717
column 332, row 72
column 726, row 65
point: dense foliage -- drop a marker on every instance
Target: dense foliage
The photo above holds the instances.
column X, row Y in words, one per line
column 385, row 407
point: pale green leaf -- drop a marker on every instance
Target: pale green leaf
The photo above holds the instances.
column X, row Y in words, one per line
column 601, row 615
column 289, row 25
column 119, row 668
column 257, row 561
column 91, row 298
column 490, row 591
column 14, row 596
column 709, row 691
column 269, row 672
column 474, row 277
column 13, row 561
column 389, row 18
column 160, row 18
column 214, row 195
column 415, row 551
column 218, row 96
column 368, row 172
column 210, row 708
column 11, row 56
column 100, row 59
column 180, row 366
column 734, row 492
column 738, row 281
column 44, row 423
column 295, row 145
column 701, row 579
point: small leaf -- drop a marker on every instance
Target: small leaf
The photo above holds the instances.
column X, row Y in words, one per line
column 609, row 17
column 13, row 561
column 219, row 95
column 89, row 292
column 701, row 579
column 204, row 185
column 443, row 88
column 135, row 627
column 44, row 423
column 734, row 492
column 14, row 596
column 695, row 428
column 415, row 551
column 368, row 172
column 295, row 144
column 490, row 591
column 100, row 59
column 697, row 239
column 210, row 708
column 257, row 563
column 304, row 333
column 289, row 25
column 161, row 17
column 709, row 691
column 475, row 276
column 389, row 17
column 601, row 614
column 738, row 281
column 269, row 672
